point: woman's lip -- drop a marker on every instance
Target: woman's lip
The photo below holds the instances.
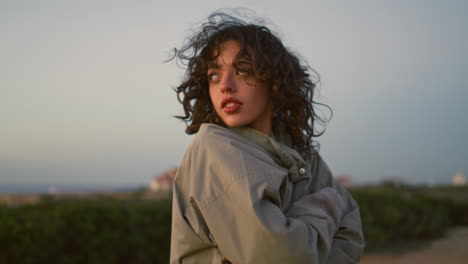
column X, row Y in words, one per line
column 231, row 107
column 228, row 101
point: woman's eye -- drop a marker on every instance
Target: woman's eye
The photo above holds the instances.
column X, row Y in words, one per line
column 212, row 77
column 242, row 72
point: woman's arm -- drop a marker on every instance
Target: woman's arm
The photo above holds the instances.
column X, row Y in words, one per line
column 249, row 228
column 348, row 242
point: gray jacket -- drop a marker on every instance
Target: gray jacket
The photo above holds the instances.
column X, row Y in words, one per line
column 240, row 194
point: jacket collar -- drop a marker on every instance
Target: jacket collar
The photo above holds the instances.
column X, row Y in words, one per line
column 279, row 150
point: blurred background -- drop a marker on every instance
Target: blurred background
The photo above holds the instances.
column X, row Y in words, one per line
column 86, row 99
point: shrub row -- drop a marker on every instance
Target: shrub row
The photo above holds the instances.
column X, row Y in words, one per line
column 138, row 231
column 390, row 216
column 86, row 231
column 455, row 198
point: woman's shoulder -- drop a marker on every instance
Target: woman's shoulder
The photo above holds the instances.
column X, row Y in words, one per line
column 212, row 132
column 213, row 142
column 225, row 145
column 215, row 137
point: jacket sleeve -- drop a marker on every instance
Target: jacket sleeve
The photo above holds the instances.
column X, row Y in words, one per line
column 348, row 242
column 244, row 215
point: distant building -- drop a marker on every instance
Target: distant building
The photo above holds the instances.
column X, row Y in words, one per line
column 52, row 190
column 18, row 199
column 345, row 180
column 163, row 182
column 459, row 179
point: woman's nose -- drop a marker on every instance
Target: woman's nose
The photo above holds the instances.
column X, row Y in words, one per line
column 228, row 83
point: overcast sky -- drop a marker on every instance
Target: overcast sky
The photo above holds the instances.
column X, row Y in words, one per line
column 85, row 97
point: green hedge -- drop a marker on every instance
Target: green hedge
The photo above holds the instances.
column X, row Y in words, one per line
column 138, row 231
column 455, row 198
column 458, row 213
column 390, row 216
column 86, row 231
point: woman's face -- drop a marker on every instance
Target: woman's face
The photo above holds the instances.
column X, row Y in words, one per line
column 239, row 103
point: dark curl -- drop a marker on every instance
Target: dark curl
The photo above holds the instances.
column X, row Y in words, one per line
column 291, row 85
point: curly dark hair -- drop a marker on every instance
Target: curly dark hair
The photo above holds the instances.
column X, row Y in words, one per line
column 287, row 76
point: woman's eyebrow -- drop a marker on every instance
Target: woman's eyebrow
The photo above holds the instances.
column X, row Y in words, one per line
column 243, row 64
column 213, row 65
column 243, row 61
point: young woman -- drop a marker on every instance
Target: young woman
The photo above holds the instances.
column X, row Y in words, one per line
column 252, row 187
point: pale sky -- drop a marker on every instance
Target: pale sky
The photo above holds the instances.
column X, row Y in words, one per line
column 86, row 98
